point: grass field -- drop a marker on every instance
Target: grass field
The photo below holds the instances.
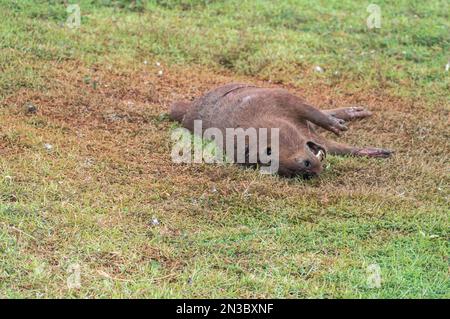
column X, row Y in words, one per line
column 87, row 186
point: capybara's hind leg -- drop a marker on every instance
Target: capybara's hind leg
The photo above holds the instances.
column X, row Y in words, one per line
column 298, row 108
column 334, row 148
column 349, row 113
column 178, row 110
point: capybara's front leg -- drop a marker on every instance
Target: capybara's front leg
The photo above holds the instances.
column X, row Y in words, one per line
column 334, row 148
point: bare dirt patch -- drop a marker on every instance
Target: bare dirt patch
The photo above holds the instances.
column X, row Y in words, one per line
column 120, row 116
column 121, row 131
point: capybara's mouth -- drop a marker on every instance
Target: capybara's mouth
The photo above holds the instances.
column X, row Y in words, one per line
column 317, row 150
column 308, row 176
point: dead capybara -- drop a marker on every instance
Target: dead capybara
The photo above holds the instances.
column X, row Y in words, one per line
column 301, row 149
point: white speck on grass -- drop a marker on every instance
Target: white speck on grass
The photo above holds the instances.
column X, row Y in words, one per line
column 447, row 66
column 155, row 221
column 431, row 236
column 318, row 69
column 160, row 73
column 145, row 62
column 89, row 162
column 48, row 147
column 158, row 64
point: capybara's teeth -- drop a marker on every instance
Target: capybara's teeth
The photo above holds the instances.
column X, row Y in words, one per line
column 320, row 155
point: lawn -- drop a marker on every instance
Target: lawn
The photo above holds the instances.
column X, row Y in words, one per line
column 91, row 204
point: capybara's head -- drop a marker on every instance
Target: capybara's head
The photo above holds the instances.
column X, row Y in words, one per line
column 305, row 161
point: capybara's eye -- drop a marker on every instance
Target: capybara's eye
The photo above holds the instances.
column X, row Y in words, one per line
column 307, row 163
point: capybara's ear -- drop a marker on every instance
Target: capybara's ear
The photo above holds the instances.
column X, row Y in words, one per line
column 178, row 110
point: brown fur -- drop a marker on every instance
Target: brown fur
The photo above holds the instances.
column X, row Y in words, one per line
column 244, row 106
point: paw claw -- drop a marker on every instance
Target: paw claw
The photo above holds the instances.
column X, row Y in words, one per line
column 337, row 125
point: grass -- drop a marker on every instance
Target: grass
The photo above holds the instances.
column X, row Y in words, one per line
column 92, row 199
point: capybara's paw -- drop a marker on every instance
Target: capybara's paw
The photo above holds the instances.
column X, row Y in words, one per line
column 357, row 112
column 374, row 152
column 351, row 113
column 337, row 125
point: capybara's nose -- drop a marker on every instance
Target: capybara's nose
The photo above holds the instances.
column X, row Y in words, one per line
column 309, row 165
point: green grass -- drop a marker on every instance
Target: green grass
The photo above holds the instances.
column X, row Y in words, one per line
column 223, row 231
column 407, row 56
